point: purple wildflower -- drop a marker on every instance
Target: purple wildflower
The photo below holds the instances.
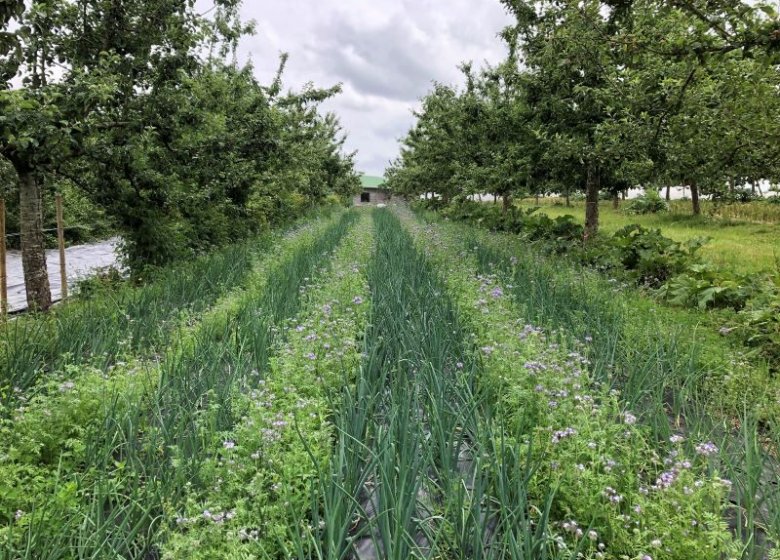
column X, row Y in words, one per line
column 706, row 449
column 558, row 435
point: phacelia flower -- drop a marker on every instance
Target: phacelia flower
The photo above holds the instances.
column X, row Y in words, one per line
column 706, row 449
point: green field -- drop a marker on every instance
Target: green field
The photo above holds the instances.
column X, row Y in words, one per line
column 382, row 382
column 737, row 245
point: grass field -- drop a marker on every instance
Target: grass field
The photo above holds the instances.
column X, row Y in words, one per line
column 380, row 384
column 736, row 245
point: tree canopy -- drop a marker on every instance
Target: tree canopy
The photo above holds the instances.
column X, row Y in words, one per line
column 600, row 96
column 141, row 106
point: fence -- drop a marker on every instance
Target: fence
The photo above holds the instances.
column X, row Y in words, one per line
column 60, row 229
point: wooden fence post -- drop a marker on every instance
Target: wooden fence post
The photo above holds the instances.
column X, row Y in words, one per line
column 61, row 240
column 3, row 271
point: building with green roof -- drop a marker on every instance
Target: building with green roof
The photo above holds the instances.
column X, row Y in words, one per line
column 373, row 191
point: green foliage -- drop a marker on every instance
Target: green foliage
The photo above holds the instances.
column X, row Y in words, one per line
column 651, row 256
column 737, row 196
column 563, row 231
column 152, row 132
column 650, row 202
column 597, row 98
column 634, row 251
column 223, row 159
column 759, row 322
column 702, row 286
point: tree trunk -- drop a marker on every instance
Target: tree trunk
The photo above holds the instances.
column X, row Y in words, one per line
column 695, row 198
column 506, row 202
column 568, row 201
column 592, row 187
column 668, row 193
column 36, row 277
column 615, row 200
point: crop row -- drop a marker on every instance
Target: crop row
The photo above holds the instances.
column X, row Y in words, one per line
column 381, row 387
column 120, row 324
column 253, row 498
column 605, row 488
column 673, row 376
column 91, row 465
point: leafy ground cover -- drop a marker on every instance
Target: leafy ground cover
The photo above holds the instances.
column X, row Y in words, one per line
column 736, row 243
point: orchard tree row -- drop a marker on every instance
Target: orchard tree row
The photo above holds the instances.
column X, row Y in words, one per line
column 141, row 108
column 599, row 96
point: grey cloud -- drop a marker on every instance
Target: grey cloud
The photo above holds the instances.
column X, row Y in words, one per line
column 391, row 61
column 387, row 54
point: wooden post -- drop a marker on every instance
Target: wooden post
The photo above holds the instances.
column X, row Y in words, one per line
column 3, row 271
column 61, row 240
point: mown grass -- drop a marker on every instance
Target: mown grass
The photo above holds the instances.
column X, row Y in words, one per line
column 737, row 245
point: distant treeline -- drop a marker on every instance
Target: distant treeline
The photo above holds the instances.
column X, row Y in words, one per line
column 597, row 97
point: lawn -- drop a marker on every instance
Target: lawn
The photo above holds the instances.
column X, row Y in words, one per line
column 740, row 246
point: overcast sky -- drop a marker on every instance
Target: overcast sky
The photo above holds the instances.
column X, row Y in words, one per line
column 386, row 53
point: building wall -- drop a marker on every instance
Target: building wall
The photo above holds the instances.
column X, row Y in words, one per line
column 377, row 197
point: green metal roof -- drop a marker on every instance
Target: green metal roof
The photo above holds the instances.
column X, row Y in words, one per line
column 370, row 182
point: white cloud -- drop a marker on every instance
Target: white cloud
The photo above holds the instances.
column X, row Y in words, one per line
column 386, row 53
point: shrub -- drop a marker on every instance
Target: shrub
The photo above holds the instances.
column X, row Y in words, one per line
column 653, row 257
column 759, row 322
column 562, row 231
column 649, row 203
column 736, row 196
column 704, row 287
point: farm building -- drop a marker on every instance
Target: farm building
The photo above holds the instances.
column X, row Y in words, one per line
column 373, row 191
